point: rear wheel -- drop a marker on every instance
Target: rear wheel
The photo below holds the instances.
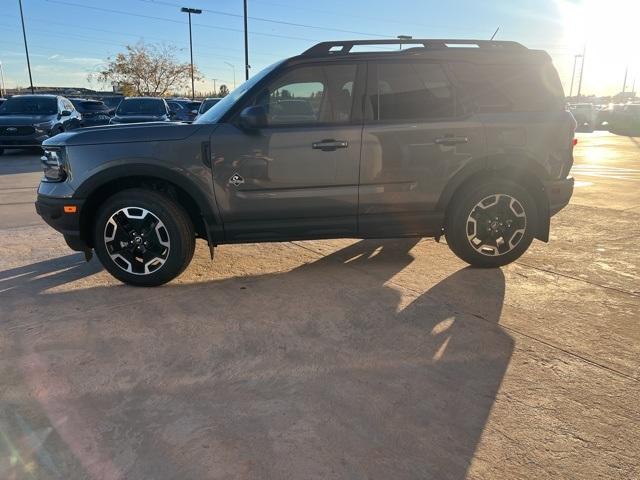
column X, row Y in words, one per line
column 491, row 224
column 143, row 238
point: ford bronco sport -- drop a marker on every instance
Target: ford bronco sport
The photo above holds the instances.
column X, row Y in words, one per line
column 462, row 138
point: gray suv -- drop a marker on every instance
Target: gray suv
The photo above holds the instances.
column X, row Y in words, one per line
column 462, row 138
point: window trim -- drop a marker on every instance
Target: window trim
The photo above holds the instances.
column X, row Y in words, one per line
column 356, row 96
column 367, row 114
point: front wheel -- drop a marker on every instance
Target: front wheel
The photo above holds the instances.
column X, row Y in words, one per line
column 491, row 224
column 143, row 238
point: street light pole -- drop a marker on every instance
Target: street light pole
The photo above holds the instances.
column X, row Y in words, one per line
column 189, row 11
column 26, row 49
column 573, row 74
column 215, row 90
column 584, row 52
column 246, row 47
column 233, row 67
column 624, row 84
column 3, row 87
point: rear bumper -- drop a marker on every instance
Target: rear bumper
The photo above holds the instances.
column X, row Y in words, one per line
column 52, row 211
column 559, row 193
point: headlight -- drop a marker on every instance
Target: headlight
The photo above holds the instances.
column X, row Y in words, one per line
column 44, row 126
column 53, row 164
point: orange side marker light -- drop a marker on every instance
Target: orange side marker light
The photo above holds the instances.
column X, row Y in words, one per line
column 70, row 209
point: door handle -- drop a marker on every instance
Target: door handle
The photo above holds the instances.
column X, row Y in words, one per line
column 329, row 145
column 450, row 141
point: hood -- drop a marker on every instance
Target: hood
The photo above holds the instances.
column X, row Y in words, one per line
column 25, row 119
column 139, row 118
column 125, row 133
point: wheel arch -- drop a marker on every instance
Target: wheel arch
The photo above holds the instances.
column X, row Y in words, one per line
column 522, row 170
column 178, row 186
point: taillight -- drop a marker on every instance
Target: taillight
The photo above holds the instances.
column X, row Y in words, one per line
column 575, row 142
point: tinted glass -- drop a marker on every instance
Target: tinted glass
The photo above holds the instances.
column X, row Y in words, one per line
column 409, row 91
column 310, row 94
column 508, row 88
column 30, row 106
column 141, row 106
column 207, row 104
column 91, row 106
column 215, row 113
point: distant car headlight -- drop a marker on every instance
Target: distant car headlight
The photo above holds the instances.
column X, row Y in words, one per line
column 43, row 127
column 53, row 164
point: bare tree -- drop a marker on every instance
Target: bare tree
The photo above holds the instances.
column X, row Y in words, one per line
column 144, row 69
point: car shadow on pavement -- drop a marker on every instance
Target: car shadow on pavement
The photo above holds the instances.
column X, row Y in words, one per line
column 329, row 370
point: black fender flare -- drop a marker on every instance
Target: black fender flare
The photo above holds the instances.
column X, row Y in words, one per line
column 178, row 177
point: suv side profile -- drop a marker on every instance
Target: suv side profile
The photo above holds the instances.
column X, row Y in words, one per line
column 468, row 139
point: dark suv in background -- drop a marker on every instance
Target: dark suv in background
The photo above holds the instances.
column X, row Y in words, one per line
column 94, row 112
column 183, row 110
column 141, row 109
column 462, row 138
column 27, row 120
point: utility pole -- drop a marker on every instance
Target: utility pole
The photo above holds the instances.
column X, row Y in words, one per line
column 215, row 90
column 233, row 67
column 584, row 52
column 189, row 11
column 573, row 74
column 3, row 87
column 246, row 47
column 624, row 84
column 24, row 36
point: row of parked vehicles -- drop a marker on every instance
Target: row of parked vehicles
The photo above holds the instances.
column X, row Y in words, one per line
column 27, row 120
column 622, row 119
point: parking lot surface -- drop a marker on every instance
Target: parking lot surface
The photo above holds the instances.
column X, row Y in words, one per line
column 336, row 359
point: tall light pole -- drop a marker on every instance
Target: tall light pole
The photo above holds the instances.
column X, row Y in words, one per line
column 24, row 36
column 3, row 88
column 189, row 11
column 624, row 84
column 215, row 90
column 584, row 52
column 573, row 74
column 233, row 67
column 246, row 47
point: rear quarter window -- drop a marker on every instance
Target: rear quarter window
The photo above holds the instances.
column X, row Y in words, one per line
column 508, row 88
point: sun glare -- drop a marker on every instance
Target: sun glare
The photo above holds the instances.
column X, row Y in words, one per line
column 607, row 29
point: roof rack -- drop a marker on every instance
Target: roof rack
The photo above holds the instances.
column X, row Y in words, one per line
column 345, row 46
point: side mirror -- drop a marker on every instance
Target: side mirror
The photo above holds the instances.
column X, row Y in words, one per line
column 194, row 112
column 253, row 118
column 65, row 113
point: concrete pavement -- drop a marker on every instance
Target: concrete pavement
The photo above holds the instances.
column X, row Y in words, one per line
column 330, row 359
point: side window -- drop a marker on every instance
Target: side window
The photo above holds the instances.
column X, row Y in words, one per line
column 409, row 91
column 61, row 106
column 68, row 105
column 319, row 94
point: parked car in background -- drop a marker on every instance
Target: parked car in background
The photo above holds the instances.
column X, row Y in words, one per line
column 112, row 103
column 183, row 110
column 94, row 112
column 206, row 104
column 586, row 116
column 435, row 139
column 2, row 100
column 626, row 120
column 141, row 109
column 27, row 120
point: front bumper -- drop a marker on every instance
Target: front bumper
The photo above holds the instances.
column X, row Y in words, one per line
column 22, row 141
column 559, row 193
column 52, row 210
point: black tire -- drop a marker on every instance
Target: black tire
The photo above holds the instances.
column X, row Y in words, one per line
column 466, row 216
column 173, row 229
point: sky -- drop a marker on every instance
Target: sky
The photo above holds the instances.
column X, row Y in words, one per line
column 69, row 39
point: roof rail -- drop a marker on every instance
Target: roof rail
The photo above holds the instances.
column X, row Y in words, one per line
column 345, row 46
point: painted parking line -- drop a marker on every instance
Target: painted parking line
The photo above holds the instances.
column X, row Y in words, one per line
column 602, row 171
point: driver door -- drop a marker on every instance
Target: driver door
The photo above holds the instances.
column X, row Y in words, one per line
column 298, row 176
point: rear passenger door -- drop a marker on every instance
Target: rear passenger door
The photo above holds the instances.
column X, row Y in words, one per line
column 414, row 140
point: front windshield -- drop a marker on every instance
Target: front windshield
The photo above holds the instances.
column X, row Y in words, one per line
column 215, row 113
column 29, row 106
column 141, row 106
column 207, row 104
